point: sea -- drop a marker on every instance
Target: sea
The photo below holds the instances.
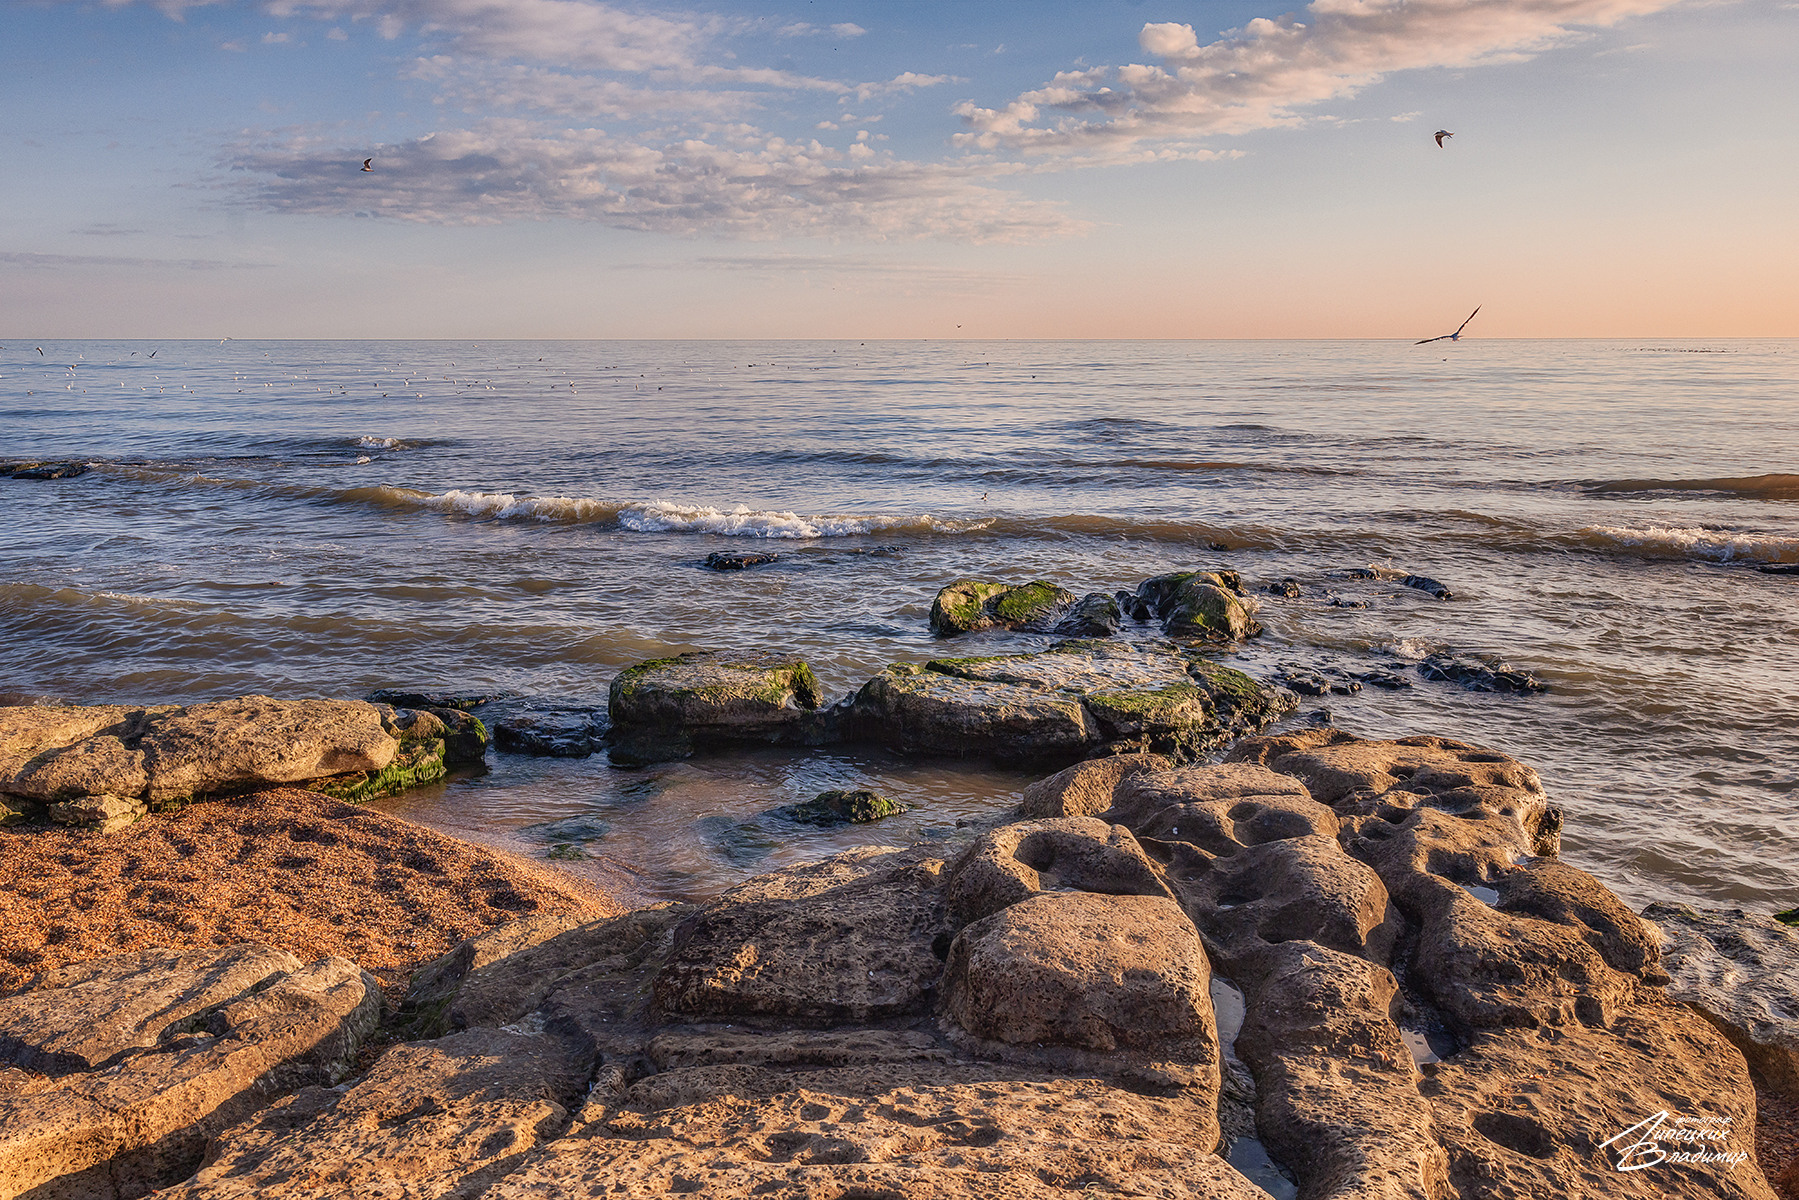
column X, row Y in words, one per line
column 327, row 518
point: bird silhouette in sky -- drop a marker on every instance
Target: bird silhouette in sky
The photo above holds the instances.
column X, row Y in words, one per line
column 1453, row 337
column 1439, row 135
column 368, row 164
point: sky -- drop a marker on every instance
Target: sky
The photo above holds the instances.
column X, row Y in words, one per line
column 825, row 169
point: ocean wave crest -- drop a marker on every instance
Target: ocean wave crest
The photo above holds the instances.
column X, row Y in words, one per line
column 1754, row 487
column 1716, row 545
column 743, row 521
column 378, row 443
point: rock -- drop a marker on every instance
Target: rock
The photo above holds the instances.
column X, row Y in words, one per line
column 255, row 740
column 720, row 560
column 1382, row 679
column 61, row 470
column 1094, row 972
column 97, row 765
column 28, row 731
column 101, row 813
column 152, row 1053
column 1425, row 583
column 1200, row 604
column 842, row 808
column 846, row 940
column 1309, row 682
column 972, row 604
column 1740, row 971
column 1011, row 864
column 1086, row 788
column 463, row 701
column 415, row 763
column 549, row 734
column 669, row 707
column 1778, row 568
column 434, row 1119
column 1076, row 699
column 1479, row 674
column 1096, row 615
column 1288, row 588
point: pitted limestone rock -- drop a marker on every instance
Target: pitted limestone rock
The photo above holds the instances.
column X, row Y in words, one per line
column 1015, row 862
column 1086, row 789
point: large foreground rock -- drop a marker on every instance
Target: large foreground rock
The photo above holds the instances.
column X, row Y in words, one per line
column 1741, row 972
column 131, row 1063
column 1034, row 1018
column 1077, row 699
column 102, row 767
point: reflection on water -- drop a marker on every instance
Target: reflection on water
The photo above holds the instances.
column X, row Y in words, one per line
column 689, row 830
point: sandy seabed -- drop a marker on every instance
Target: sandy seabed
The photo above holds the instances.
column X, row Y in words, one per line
column 293, row 869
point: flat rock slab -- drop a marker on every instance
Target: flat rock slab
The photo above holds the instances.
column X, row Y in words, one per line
column 1077, row 699
column 100, row 766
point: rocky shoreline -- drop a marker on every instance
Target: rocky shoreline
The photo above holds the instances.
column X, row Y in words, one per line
column 1323, row 967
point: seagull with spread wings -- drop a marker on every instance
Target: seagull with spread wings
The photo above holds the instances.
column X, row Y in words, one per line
column 1441, row 134
column 368, row 164
column 1451, row 337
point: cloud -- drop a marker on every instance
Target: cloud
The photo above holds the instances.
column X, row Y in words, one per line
column 1262, row 75
column 820, row 264
column 274, row 39
column 848, row 30
column 905, row 81
column 740, row 184
column 105, row 229
column 489, row 86
column 60, row 261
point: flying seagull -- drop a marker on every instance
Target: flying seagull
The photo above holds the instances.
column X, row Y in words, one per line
column 1439, row 135
column 368, row 164
column 1454, row 337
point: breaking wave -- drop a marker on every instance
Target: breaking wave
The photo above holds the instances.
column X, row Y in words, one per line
column 1717, row 545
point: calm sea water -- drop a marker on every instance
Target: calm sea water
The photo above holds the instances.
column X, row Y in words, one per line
column 326, row 518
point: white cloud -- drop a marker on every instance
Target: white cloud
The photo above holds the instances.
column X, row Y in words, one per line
column 739, row 184
column 1260, row 76
column 847, row 30
column 274, row 39
column 337, row 35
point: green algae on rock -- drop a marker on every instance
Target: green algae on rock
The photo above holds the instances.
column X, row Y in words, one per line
column 966, row 605
column 1200, row 604
column 418, row 762
column 840, row 807
column 1075, row 700
column 668, row 707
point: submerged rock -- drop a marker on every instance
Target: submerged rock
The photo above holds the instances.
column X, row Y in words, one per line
column 1425, row 583
column 721, row 560
column 1740, row 971
column 574, row 733
column 1288, row 588
column 465, row 701
column 669, row 707
column 1479, row 674
column 44, row 470
column 1077, row 699
column 842, row 808
column 967, row 605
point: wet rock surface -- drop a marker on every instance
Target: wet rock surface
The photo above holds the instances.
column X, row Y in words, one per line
column 667, row 708
column 722, row 560
column 1031, row 1016
column 967, row 605
column 102, row 767
column 1740, row 971
column 1076, row 699
column 1479, row 674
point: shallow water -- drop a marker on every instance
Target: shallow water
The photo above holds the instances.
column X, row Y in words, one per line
column 331, row 517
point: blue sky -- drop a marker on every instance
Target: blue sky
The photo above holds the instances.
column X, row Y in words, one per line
column 1116, row 168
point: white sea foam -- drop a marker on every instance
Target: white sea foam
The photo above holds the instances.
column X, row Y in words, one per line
column 743, row 521
column 377, row 443
column 1719, row 545
column 505, row 504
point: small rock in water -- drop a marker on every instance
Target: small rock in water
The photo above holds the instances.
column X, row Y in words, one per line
column 405, row 698
column 1779, row 568
column 1308, row 682
column 1425, row 583
column 1097, row 615
column 842, row 808
column 1479, row 675
column 1382, row 679
column 1348, row 602
column 548, row 734
column 1288, row 587
column 62, row 470
column 720, row 560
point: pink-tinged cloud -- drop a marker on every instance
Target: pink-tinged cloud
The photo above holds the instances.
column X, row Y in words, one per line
column 1264, row 74
column 741, row 184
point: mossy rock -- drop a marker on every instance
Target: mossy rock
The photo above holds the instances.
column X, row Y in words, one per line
column 417, row 762
column 842, row 808
column 1789, row 917
column 961, row 606
column 669, row 707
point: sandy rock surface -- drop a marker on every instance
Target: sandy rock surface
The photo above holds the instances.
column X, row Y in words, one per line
column 1433, row 1006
